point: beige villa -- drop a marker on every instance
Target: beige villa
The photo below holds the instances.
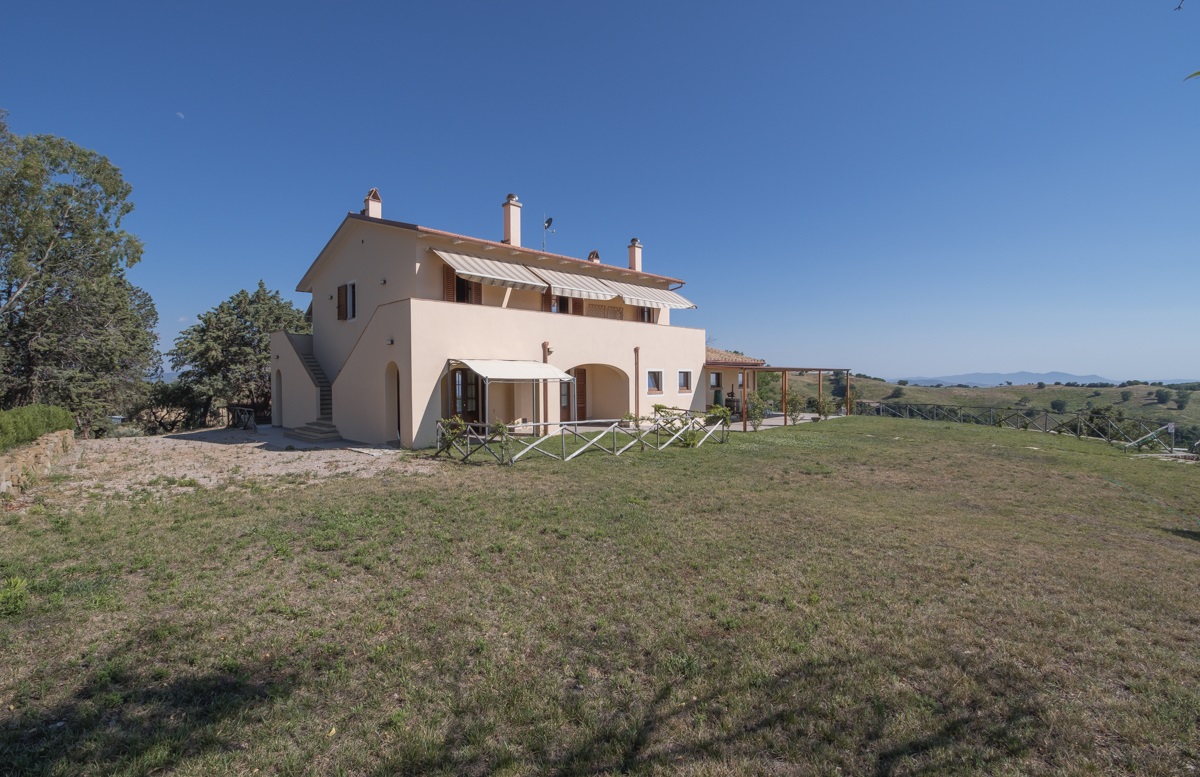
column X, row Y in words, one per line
column 412, row 324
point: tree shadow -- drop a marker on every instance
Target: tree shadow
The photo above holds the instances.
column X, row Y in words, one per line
column 123, row 719
column 1187, row 534
column 787, row 720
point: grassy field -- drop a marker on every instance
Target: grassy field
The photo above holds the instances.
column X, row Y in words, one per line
column 866, row 595
column 1141, row 405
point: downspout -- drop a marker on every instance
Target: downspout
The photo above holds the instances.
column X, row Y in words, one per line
column 545, row 384
column 637, row 381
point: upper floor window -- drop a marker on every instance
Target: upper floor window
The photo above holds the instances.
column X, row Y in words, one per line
column 456, row 289
column 685, row 380
column 347, row 302
column 714, row 380
column 654, row 382
column 645, row 315
column 562, row 304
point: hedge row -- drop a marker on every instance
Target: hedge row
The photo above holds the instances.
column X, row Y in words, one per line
column 23, row 425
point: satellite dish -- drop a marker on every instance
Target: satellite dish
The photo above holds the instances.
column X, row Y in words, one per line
column 549, row 221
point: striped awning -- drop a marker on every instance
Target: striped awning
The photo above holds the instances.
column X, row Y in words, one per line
column 563, row 284
column 649, row 296
column 491, row 272
column 512, row 370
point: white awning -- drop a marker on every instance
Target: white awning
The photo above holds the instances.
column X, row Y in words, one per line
column 491, row 272
column 511, row 371
column 564, row 284
column 649, row 296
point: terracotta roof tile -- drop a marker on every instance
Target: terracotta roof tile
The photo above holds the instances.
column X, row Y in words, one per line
column 719, row 356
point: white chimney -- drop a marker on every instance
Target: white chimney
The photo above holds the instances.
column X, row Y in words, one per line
column 372, row 205
column 512, row 220
column 635, row 255
column 594, row 257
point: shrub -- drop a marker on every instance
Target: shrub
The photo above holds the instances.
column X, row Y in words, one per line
column 1041, row 384
column 1126, row 395
column 1182, row 398
column 756, row 410
column 1162, row 396
column 896, row 393
column 1058, row 405
column 14, row 596
column 23, row 425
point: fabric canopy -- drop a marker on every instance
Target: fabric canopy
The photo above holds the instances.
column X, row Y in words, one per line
column 491, row 272
column 511, row 371
column 563, row 284
column 649, row 296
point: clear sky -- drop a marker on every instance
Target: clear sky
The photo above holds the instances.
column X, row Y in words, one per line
column 905, row 188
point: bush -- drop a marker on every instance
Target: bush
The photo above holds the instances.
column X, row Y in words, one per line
column 1126, row 395
column 1162, row 396
column 23, row 425
column 896, row 393
column 756, row 410
column 1182, row 398
column 1058, row 405
column 1041, row 384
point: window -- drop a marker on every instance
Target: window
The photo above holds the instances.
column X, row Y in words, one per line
column 645, row 315
column 741, row 379
column 714, row 380
column 685, row 380
column 654, row 381
column 346, row 302
column 562, row 304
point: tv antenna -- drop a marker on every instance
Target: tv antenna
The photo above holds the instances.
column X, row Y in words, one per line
column 546, row 230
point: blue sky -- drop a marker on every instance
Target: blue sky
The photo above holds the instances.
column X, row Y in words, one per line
column 904, row 188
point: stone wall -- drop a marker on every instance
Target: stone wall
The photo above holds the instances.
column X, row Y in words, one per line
column 22, row 466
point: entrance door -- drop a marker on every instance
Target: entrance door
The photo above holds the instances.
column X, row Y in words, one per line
column 580, row 394
column 464, row 395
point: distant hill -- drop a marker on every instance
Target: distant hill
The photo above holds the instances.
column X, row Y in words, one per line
column 1000, row 378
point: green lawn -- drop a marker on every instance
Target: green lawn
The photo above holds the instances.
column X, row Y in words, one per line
column 871, row 595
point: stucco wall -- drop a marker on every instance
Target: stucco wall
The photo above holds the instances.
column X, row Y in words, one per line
column 425, row 333
column 301, row 400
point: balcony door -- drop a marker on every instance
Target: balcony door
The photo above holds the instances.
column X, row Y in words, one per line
column 466, row 395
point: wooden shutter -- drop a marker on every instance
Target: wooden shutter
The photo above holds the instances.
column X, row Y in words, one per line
column 548, row 302
column 448, row 278
column 341, row 303
column 476, row 293
column 577, row 307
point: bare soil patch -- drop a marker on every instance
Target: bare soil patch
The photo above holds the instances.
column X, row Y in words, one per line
column 136, row 467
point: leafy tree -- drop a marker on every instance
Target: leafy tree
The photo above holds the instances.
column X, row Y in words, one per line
column 1162, row 396
column 897, row 392
column 756, row 410
column 795, row 405
column 1058, row 405
column 226, row 356
column 1041, row 384
column 1182, row 398
column 1126, row 395
column 73, row 331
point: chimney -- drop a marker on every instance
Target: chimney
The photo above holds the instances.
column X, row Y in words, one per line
column 372, row 205
column 635, row 255
column 594, row 257
column 512, row 220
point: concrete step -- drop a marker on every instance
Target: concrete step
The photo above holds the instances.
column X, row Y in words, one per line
column 320, row 430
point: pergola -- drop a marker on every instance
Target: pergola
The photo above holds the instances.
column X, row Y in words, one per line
column 748, row 367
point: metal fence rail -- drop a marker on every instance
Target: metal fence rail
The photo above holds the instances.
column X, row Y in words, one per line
column 1129, row 432
column 565, row 440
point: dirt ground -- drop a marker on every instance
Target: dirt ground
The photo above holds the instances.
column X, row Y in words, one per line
column 137, row 467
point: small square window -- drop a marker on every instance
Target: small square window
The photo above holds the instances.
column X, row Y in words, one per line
column 714, row 380
column 685, row 380
column 654, row 382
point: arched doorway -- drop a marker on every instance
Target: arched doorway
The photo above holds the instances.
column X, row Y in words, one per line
column 391, row 401
column 601, row 391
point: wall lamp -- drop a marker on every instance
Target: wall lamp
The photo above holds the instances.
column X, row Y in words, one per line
column 391, row 341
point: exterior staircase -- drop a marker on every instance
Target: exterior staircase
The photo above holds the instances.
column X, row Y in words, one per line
column 322, row 429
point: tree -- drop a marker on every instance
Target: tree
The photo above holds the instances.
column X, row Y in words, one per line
column 73, row 331
column 1041, row 384
column 1058, row 405
column 226, row 356
column 1126, row 395
column 1182, row 398
column 1162, row 396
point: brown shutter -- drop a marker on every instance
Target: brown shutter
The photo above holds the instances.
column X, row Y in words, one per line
column 448, row 278
column 341, row 303
column 577, row 307
column 476, row 293
column 548, row 301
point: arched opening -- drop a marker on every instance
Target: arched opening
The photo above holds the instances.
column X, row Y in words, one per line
column 601, row 391
column 277, row 399
column 391, row 401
